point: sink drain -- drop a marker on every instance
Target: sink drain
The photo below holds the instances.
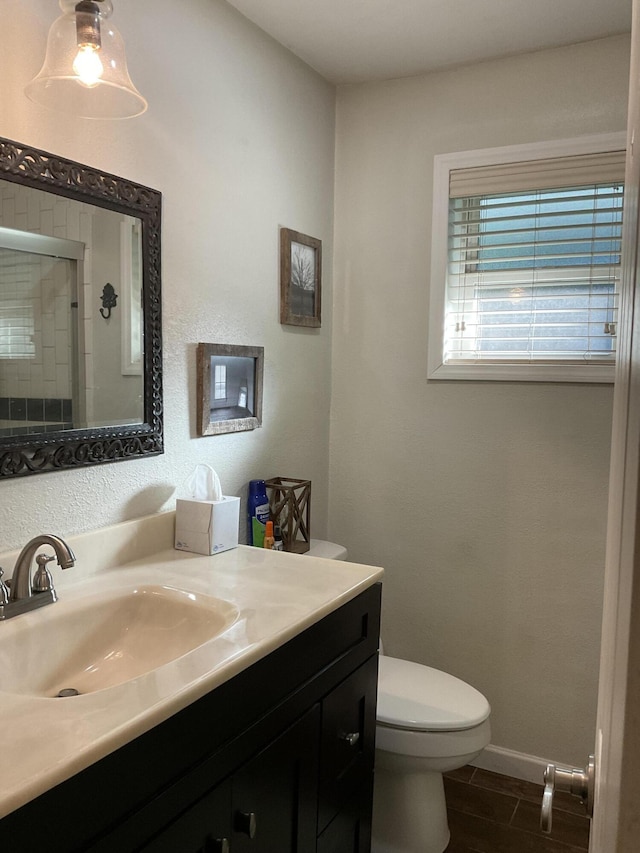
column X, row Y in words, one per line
column 68, row 691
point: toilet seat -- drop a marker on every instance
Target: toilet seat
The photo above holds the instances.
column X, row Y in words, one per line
column 418, row 698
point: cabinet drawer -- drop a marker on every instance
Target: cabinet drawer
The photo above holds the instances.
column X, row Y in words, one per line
column 348, row 739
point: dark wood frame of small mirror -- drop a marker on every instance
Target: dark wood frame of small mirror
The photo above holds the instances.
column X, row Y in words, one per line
column 77, row 448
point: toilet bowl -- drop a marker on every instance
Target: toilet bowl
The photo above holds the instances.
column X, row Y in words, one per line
column 428, row 723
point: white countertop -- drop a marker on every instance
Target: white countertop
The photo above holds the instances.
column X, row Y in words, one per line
column 278, row 595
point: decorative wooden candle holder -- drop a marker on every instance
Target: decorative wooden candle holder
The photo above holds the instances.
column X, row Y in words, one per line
column 290, row 507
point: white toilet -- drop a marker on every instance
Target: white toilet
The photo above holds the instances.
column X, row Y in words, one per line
column 428, row 722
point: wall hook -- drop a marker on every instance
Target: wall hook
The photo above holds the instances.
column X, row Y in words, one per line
column 109, row 298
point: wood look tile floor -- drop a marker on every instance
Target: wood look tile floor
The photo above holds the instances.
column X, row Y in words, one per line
column 491, row 813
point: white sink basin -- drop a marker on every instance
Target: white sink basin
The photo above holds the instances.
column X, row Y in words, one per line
column 100, row 641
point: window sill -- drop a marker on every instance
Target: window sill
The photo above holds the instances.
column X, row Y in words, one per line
column 599, row 374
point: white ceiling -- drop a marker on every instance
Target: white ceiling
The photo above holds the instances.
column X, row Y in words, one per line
column 356, row 40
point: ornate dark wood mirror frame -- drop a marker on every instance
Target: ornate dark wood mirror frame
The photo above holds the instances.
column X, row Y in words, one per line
column 22, row 455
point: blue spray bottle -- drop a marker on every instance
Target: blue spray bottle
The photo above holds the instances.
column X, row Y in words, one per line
column 258, row 512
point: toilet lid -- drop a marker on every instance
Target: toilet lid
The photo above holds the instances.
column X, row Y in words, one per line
column 413, row 696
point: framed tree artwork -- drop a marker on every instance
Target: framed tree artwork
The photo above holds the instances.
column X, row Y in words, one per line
column 300, row 279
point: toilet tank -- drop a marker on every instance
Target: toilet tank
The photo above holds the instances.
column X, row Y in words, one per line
column 328, row 550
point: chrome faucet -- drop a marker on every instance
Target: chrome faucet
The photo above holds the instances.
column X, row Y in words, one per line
column 26, row 594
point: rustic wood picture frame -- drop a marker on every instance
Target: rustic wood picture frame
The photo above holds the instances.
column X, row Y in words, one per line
column 229, row 388
column 300, row 279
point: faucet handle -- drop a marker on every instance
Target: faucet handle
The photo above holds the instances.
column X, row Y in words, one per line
column 42, row 580
column 4, row 589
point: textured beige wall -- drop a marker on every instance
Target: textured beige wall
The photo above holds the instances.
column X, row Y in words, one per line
column 485, row 502
column 239, row 137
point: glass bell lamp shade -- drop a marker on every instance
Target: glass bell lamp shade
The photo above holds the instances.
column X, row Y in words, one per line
column 85, row 67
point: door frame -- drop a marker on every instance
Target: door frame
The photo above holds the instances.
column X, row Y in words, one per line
column 616, row 819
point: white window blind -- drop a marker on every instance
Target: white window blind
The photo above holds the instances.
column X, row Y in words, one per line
column 17, row 324
column 534, row 260
column 16, row 329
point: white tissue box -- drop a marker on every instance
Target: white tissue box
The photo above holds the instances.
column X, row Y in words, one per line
column 207, row 527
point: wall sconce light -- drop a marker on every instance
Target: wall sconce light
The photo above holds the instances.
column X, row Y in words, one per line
column 85, row 67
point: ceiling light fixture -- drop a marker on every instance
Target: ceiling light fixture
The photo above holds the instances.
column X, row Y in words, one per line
column 85, row 67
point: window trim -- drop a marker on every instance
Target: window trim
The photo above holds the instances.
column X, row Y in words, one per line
column 443, row 164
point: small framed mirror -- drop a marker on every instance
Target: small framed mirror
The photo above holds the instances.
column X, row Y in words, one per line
column 80, row 315
column 229, row 388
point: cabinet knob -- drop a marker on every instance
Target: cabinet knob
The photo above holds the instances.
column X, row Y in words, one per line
column 246, row 822
column 217, row 845
column 351, row 738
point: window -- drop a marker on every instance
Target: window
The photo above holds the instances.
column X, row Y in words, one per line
column 21, row 274
column 16, row 329
column 220, row 382
column 526, row 262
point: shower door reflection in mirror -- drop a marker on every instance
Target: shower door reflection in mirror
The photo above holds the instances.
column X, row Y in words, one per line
column 65, row 363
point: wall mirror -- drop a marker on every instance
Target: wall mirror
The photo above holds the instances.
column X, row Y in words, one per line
column 80, row 315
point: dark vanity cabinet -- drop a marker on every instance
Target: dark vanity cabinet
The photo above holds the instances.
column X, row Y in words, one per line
column 277, row 760
column 268, row 804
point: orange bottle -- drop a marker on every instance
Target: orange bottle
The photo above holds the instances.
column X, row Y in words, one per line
column 269, row 540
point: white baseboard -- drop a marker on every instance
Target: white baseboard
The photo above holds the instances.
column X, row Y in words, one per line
column 510, row 763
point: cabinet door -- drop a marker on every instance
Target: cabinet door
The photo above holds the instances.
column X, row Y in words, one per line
column 275, row 795
column 350, row 830
column 348, row 739
column 204, row 828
